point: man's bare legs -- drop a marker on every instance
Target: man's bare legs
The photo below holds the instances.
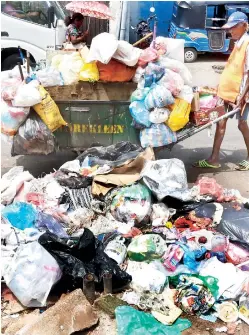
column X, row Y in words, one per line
column 243, row 127
column 219, row 136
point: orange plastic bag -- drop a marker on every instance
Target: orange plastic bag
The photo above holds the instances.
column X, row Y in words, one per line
column 115, row 71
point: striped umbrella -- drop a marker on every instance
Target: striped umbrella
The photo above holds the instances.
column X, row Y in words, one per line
column 90, row 8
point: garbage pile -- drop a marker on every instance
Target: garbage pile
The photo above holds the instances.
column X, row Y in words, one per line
column 161, row 104
column 119, row 221
column 29, row 130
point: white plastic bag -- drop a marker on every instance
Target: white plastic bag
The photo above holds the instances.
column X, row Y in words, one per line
column 174, row 48
column 159, row 115
column 49, row 77
column 102, row 49
column 167, row 177
column 172, row 81
column 177, row 67
column 7, row 253
column 73, row 166
column 9, row 87
column 116, row 250
column 56, row 60
column 31, row 274
column 70, row 67
column 127, row 54
column 11, row 183
column 146, row 277
column 138, row 75
column 15, row 72
column 161, row 214
column 186, row 94
column 231, row 280
column 27, row 95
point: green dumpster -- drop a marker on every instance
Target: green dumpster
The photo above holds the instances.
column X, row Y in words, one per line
column 95, row 113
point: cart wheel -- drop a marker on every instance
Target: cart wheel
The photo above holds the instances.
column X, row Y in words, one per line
column 190, row 55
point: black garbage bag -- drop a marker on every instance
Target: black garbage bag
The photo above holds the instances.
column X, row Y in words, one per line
column 33, row 138
column 114, row 155
column 72, row 179
column 79, row 256
column 235, row 224
column 206, row 210
column 183, row 207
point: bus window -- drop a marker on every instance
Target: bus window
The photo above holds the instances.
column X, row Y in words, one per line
column 32, row 11
column 189, row 18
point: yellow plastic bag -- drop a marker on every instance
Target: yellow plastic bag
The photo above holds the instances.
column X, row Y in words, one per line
column 89, row 72
column 179, row 116
column 49, row 111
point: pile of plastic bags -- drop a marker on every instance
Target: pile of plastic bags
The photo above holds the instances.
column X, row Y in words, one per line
column 29, row 115
column 162, row 102
column 177, row 249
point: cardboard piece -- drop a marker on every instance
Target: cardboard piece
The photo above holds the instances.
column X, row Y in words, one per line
column 124, row 175
column 200, row 118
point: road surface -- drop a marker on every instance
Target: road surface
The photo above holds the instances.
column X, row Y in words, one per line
column 190, row 150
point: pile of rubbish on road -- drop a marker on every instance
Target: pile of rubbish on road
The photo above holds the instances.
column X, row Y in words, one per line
column 127, row 229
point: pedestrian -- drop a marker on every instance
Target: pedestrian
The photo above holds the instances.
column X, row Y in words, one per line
column 233, row 89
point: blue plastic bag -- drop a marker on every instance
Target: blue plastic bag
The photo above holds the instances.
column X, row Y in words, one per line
column 158, row 96
column 139, row 113
column 157, row 135
column 139, row 94
column 20, row 215
column 46, row 221
column 136, row 125
column 153, row 73
column 189, row 257
column 132, row 322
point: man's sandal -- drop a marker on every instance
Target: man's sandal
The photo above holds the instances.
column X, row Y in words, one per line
column 243, row 166
column 204, row 164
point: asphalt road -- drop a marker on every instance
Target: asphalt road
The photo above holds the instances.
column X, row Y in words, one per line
column 195, row 148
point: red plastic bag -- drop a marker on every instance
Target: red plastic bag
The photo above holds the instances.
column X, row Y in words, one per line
column 236, row 254
column 209, row 186
column 147, row 55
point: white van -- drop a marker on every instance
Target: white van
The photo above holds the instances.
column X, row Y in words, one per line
column 34, row 26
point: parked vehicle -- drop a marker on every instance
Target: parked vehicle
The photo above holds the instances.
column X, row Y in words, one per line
column 199, row 24
column 36, row 27
column 143, row 29
column 140, row 10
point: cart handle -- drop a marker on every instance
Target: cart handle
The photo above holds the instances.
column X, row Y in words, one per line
column 205, row 126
